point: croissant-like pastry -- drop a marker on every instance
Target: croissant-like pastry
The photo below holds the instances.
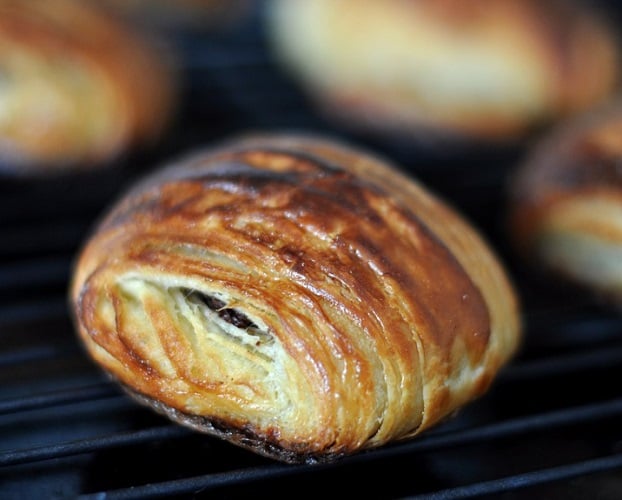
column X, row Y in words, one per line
column 566, row 202
column 78, row 86
column 295, row 296
column 480, row 70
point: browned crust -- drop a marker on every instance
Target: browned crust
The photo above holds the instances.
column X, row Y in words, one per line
column 247, row 438
column 339, row 241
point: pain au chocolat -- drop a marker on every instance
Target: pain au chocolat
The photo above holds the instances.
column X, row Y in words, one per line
column 78, row 87
column 295, row 296
column 475, row 70
column 566, row 203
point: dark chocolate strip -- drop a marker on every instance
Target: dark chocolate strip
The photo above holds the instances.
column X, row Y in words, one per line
column 236, row 318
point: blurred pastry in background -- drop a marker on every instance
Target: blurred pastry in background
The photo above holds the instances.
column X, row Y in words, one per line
column 193, row 15
column 566, row 202
column 474, row 69
column 78, row 87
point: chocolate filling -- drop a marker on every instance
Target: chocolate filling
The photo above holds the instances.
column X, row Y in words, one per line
column 236, row 318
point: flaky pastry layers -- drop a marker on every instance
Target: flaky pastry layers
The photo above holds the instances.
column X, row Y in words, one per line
column 476, row 69
column 295, row 296
column 566, row 202
column 78, row 87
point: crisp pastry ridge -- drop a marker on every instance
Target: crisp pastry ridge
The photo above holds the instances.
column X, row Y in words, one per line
column 565, row 202
column 296, row 296
column 79, row 86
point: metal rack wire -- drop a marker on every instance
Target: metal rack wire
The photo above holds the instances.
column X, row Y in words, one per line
column 548, row 428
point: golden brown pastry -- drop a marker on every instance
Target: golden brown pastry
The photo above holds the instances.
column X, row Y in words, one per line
column 466, row 69
column 566, row 202
column 78, row 87
column 294, row 296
